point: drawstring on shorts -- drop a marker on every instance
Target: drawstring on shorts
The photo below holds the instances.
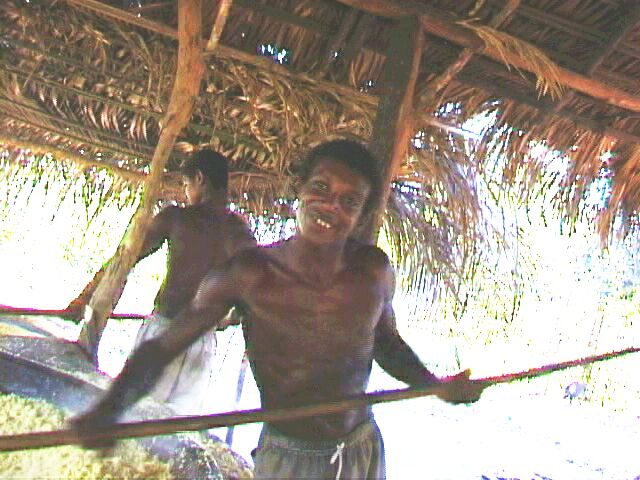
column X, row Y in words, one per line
column 338, row 456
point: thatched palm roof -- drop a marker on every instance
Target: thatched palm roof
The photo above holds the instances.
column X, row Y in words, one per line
column 90, row 81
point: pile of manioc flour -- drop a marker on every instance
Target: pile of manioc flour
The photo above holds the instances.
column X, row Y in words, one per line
column 22, row 415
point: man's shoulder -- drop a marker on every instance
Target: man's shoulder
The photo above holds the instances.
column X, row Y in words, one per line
column 168, row 215
column 235, row 220
column 367, row 255
column 252, row 258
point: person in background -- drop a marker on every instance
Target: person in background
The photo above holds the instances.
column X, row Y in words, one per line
column 201, row 237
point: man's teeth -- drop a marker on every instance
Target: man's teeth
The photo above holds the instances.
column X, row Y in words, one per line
column 322, row 223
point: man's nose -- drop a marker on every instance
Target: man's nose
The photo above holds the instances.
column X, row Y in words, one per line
column 332, row 201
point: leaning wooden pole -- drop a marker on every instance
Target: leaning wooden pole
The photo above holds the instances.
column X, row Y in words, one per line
column 395, row 117
column 185, row 91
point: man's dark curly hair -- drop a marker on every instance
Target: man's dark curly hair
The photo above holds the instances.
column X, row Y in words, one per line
column 213, row 165
column 350, row 153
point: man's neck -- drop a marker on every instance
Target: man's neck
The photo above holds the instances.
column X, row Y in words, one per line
column 316, row 263
column 216, row 204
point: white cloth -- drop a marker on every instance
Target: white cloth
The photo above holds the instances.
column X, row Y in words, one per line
column 185, row 383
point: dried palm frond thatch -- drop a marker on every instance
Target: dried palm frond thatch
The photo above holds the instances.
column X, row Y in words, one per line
column 545, row 70
column 94, row 92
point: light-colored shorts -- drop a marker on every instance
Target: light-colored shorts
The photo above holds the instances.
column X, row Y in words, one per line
column 358, row 456
column 185, row 383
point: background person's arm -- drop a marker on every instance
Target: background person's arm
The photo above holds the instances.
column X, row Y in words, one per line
column 156, row 235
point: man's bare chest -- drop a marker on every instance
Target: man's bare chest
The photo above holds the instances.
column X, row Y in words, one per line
column 351, row 299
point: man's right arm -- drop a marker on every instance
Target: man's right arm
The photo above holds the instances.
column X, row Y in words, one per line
column 217, row 294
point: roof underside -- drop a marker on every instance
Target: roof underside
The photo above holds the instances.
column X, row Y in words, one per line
column 92, row 79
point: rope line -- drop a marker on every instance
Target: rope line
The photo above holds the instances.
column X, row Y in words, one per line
column 168, row 426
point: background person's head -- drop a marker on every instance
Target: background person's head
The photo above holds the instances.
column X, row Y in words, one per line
column 350, row 153
column 205, row 174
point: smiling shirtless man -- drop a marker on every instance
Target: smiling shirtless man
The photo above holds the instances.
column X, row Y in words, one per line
column 317, row 311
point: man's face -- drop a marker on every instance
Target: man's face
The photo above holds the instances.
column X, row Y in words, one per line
column 193, row 187
column 331, row 202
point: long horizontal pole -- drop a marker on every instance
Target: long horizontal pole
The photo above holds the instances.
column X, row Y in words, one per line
column 6, row 310
column 9, row 443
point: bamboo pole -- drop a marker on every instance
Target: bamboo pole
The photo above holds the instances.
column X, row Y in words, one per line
column 395, row 118
column 186, row 87
column 10, row 443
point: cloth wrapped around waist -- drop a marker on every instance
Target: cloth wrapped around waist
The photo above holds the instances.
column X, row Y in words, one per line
column 185, row 383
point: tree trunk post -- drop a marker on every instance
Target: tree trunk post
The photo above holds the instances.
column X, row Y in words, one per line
column 394, row 123
column 190, row 70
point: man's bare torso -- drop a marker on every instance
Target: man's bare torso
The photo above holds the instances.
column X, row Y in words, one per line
column 310, row 343
column 198, row 242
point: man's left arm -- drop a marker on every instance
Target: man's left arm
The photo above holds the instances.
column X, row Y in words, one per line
column 397, row 358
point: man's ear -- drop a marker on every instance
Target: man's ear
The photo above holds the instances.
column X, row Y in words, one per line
column 294, row 186
column 199, row 177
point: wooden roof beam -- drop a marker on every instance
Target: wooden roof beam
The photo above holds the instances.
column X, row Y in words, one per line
column 336, row 42
column 171, row 181
column 627, row 22
column 547, row 108
column 573, row 28
column 125, row 16
column 429, row 94
column 374, row 5
column 152, row 6
column 61, row 155
column 353, row 47
column 196, row 127
column 228, row 52
column 444, row 26
column 284, row 16
column 120, row 149
column 103, row 135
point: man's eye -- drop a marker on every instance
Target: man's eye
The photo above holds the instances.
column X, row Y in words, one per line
column 351, row 202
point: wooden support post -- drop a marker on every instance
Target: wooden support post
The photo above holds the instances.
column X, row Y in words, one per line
column 394, row 122
column 185, row 90
column 222, row 12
